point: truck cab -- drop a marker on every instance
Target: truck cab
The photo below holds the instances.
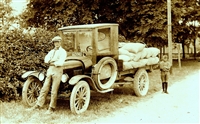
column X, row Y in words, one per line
column 95, row 45
column 93, row 40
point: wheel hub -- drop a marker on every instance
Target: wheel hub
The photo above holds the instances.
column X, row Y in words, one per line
column 142, row 83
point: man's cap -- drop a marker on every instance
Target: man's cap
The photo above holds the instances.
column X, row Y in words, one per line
column 56, row 38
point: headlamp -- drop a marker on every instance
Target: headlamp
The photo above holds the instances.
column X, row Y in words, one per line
column 41, row 76
column 64, row 78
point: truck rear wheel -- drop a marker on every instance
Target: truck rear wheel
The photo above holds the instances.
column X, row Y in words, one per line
column 80, row 97
column 141, row 82
column 105, row 73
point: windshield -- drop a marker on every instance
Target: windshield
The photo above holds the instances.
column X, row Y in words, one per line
column 77, row 41
column 84, row 42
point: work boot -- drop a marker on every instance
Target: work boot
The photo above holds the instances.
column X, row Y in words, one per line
column 50, row 111
column 35, row 107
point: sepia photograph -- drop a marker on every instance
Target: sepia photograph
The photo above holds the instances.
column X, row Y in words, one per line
column 99, row 61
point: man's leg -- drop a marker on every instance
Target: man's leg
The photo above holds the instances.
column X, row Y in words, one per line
column 166, row 83
column 163, row 81
column 163, row 86
column 43, row 94
column 44, row 91
column 54, row 91
column 166, row 86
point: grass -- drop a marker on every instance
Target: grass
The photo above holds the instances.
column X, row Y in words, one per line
column 101, row 105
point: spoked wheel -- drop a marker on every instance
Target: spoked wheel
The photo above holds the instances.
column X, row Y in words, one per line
column 80, row 97
column 105, row 73
column 30, row 91
column 141, row 82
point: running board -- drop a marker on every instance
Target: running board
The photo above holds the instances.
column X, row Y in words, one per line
column 105, row 91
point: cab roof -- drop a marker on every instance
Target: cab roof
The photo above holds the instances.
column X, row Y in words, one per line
column 88, row 26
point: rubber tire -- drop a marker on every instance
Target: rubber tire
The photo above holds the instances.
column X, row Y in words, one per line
column 141, row 82
column 36, row 87
column 97, row 71
column 80, row 97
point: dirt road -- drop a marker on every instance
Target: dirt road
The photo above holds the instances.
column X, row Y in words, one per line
column 181, row 105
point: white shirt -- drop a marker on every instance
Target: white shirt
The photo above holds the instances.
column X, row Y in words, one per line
column 57, row 57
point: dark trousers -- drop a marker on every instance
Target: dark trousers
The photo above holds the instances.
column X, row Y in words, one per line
column 165, row 76
column 165, row 86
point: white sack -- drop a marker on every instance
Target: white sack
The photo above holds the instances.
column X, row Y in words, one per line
column 154, row 51
column 134, row 64
column 121, row 44
column 143, row 62
column 127, row 65
column 149, row 53
column 153, row 60
column 131, row 65
column 125, row 52
column 140, row 63
column 134, row 47
column 144, row 53
column 136, row 57
column 125, row 58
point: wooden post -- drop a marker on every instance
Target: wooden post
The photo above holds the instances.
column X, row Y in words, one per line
column 169, row 32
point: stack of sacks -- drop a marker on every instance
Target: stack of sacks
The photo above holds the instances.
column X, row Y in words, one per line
column 135, row 55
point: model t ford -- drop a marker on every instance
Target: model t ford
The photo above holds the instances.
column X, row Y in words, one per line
column 92, row 64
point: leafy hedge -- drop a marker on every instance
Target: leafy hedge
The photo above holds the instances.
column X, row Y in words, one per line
column 21, row 50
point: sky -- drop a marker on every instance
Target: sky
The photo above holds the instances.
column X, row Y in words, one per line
column 18, row 6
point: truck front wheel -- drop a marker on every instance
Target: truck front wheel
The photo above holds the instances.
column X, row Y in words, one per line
column 141, row 82
column 80, row 97
column 31, row 90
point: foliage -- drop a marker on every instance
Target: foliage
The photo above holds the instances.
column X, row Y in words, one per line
column 139, row 20
column 185, row 12
column 144, row 20
column 21, row 50
column 5, row 12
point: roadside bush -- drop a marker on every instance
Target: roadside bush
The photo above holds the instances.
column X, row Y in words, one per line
column 21, row 50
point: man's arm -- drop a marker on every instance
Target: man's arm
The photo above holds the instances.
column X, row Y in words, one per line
column 48, row 57
column 62, row 58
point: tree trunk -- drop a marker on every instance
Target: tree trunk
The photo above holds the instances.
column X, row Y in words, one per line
column 195, row 49
column 183, row 47
column 164, row 50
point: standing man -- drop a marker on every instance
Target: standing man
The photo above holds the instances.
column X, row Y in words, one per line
column 55, row 58
column 165, row 66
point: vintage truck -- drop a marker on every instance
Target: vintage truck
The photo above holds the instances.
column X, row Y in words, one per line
column 92, row 64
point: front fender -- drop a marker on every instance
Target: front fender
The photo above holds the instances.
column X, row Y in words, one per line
column 74, row 80
column 77, row 78
column 39, row 75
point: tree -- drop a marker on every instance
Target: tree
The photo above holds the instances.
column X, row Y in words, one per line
column 186, row 12
column 5, row 12
column 139, row 20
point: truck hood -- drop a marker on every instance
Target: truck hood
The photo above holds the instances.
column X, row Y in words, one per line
column 74, row 61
